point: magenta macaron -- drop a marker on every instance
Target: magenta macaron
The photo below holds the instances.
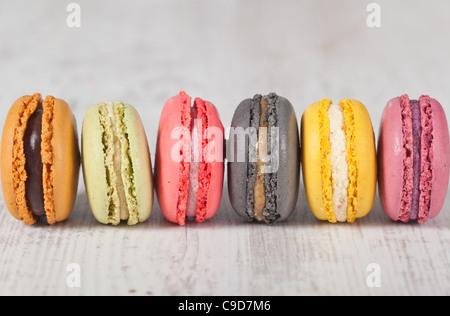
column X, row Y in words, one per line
column 413, row 158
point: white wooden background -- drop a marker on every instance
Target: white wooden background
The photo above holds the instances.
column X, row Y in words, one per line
column 143, row 52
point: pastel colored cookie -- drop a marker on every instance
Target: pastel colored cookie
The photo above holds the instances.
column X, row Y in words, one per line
column 40, row 160
column 189, row 160
column 264, row 159
column 414, row 159
column 339, row 160
column 116, row 164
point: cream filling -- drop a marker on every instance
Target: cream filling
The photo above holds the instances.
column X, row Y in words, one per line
column 120, row 188
column 339, row 164
column 191, row 208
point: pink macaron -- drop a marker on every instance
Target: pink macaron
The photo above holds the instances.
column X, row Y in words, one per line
column 413, row 158
column 189, row 160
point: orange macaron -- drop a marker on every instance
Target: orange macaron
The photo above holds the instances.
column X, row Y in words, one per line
column 40, row 159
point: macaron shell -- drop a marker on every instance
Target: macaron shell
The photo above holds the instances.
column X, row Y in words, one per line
column 216, row 165
column 66, row 160
column 237, row 169
column 390, row 159
column 288, row 174
column 7, row 155
column 167, row 170
column 366, row 159
column 93, row 165
column 441, row 158
column 140, row 158
column 311, row 160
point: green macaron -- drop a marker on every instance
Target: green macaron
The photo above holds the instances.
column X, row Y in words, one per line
column 116, row 164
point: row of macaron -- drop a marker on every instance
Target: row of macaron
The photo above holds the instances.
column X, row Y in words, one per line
column 266, row 150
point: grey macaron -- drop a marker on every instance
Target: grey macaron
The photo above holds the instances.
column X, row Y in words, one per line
column 263, row 155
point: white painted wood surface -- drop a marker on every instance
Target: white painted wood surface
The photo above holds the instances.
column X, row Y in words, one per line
column 143, row 52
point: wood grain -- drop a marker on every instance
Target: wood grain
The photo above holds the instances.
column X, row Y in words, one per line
column 224, row 51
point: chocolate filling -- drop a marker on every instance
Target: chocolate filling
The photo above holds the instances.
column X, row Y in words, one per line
column 33, row 165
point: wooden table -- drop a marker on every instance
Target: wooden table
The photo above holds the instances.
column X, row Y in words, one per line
column 224, row 51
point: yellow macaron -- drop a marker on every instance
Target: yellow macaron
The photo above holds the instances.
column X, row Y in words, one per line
column 338, row 160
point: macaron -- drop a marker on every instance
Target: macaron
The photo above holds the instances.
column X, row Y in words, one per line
column 414, row 158
column 40, row 160
column 117, row 167
column 339, row 160
column 189, row 160
column 264, row 159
